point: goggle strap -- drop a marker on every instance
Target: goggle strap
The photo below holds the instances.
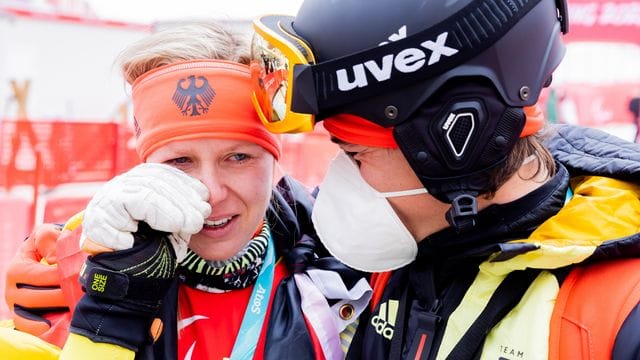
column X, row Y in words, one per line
column 469, row 32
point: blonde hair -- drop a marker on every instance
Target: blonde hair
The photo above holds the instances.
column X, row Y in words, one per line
column 188, row 41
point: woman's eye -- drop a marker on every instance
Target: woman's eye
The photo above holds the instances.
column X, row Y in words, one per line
column 239, row 157
column 177, row 161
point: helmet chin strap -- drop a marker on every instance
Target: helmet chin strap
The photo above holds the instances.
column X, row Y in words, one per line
column 453, row 142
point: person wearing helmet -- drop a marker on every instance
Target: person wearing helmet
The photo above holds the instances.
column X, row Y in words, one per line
column 488, row 235
column 203, row 251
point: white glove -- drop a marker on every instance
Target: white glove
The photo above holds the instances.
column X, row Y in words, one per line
column 162, row 196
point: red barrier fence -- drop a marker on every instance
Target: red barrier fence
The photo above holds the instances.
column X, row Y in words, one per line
column 70, row 152
column 15, row 224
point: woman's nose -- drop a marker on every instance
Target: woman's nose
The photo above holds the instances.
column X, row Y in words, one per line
column 217, row 186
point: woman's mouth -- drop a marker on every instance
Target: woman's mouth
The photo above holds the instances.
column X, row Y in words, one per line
column 217, row 223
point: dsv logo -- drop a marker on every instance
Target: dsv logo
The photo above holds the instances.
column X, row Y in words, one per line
column 406, row 61
column 385, row 321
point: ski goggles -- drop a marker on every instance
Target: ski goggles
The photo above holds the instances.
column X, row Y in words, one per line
column 291, row 90
column 275, row 53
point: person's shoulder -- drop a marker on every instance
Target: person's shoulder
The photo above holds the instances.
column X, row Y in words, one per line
column 594, row 152
column 563, row 137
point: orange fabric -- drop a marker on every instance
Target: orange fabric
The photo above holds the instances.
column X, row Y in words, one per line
column 58, row 331
column 194, row 100
column 36, row 264
column 216, row 319
column 378, row 283
column 356, row 130
column 535, row 120
column 591, row 306
column 69, row 260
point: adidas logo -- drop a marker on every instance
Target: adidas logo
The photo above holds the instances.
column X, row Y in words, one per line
column 385, row 321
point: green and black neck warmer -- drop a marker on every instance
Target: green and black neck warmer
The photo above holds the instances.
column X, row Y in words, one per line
column 237, row 272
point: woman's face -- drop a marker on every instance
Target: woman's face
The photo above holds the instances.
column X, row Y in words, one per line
column 239, row 176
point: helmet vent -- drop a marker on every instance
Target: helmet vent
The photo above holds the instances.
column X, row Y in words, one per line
column 459, row 128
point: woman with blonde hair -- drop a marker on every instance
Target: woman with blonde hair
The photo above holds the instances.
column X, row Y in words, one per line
column 197, row 253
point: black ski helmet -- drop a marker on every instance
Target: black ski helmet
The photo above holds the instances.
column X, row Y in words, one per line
column 463, row 119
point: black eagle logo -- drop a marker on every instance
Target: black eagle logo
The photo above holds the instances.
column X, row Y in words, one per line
column 195, row 99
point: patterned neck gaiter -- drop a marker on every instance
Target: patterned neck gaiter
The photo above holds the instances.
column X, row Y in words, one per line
column 237, row 272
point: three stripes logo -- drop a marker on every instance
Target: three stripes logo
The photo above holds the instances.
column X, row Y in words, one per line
column 385, row 321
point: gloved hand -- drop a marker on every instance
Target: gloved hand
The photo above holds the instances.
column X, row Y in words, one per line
column 162, row 196
column 33, row 293
column 124, row 291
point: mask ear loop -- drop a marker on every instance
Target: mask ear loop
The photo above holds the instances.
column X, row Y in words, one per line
column 400, row 193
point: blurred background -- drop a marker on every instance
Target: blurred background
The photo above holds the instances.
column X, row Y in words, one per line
column 65, row 114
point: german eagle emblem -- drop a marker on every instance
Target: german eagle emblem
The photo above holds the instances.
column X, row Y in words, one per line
column 196, row 98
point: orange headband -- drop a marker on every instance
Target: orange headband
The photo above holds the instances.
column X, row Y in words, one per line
column 535, row 120
column 356, row 130
column 194, row 100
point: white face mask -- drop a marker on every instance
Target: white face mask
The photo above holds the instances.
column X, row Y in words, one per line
column 357, row 224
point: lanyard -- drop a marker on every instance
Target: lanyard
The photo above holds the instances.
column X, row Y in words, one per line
column 247, row 339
